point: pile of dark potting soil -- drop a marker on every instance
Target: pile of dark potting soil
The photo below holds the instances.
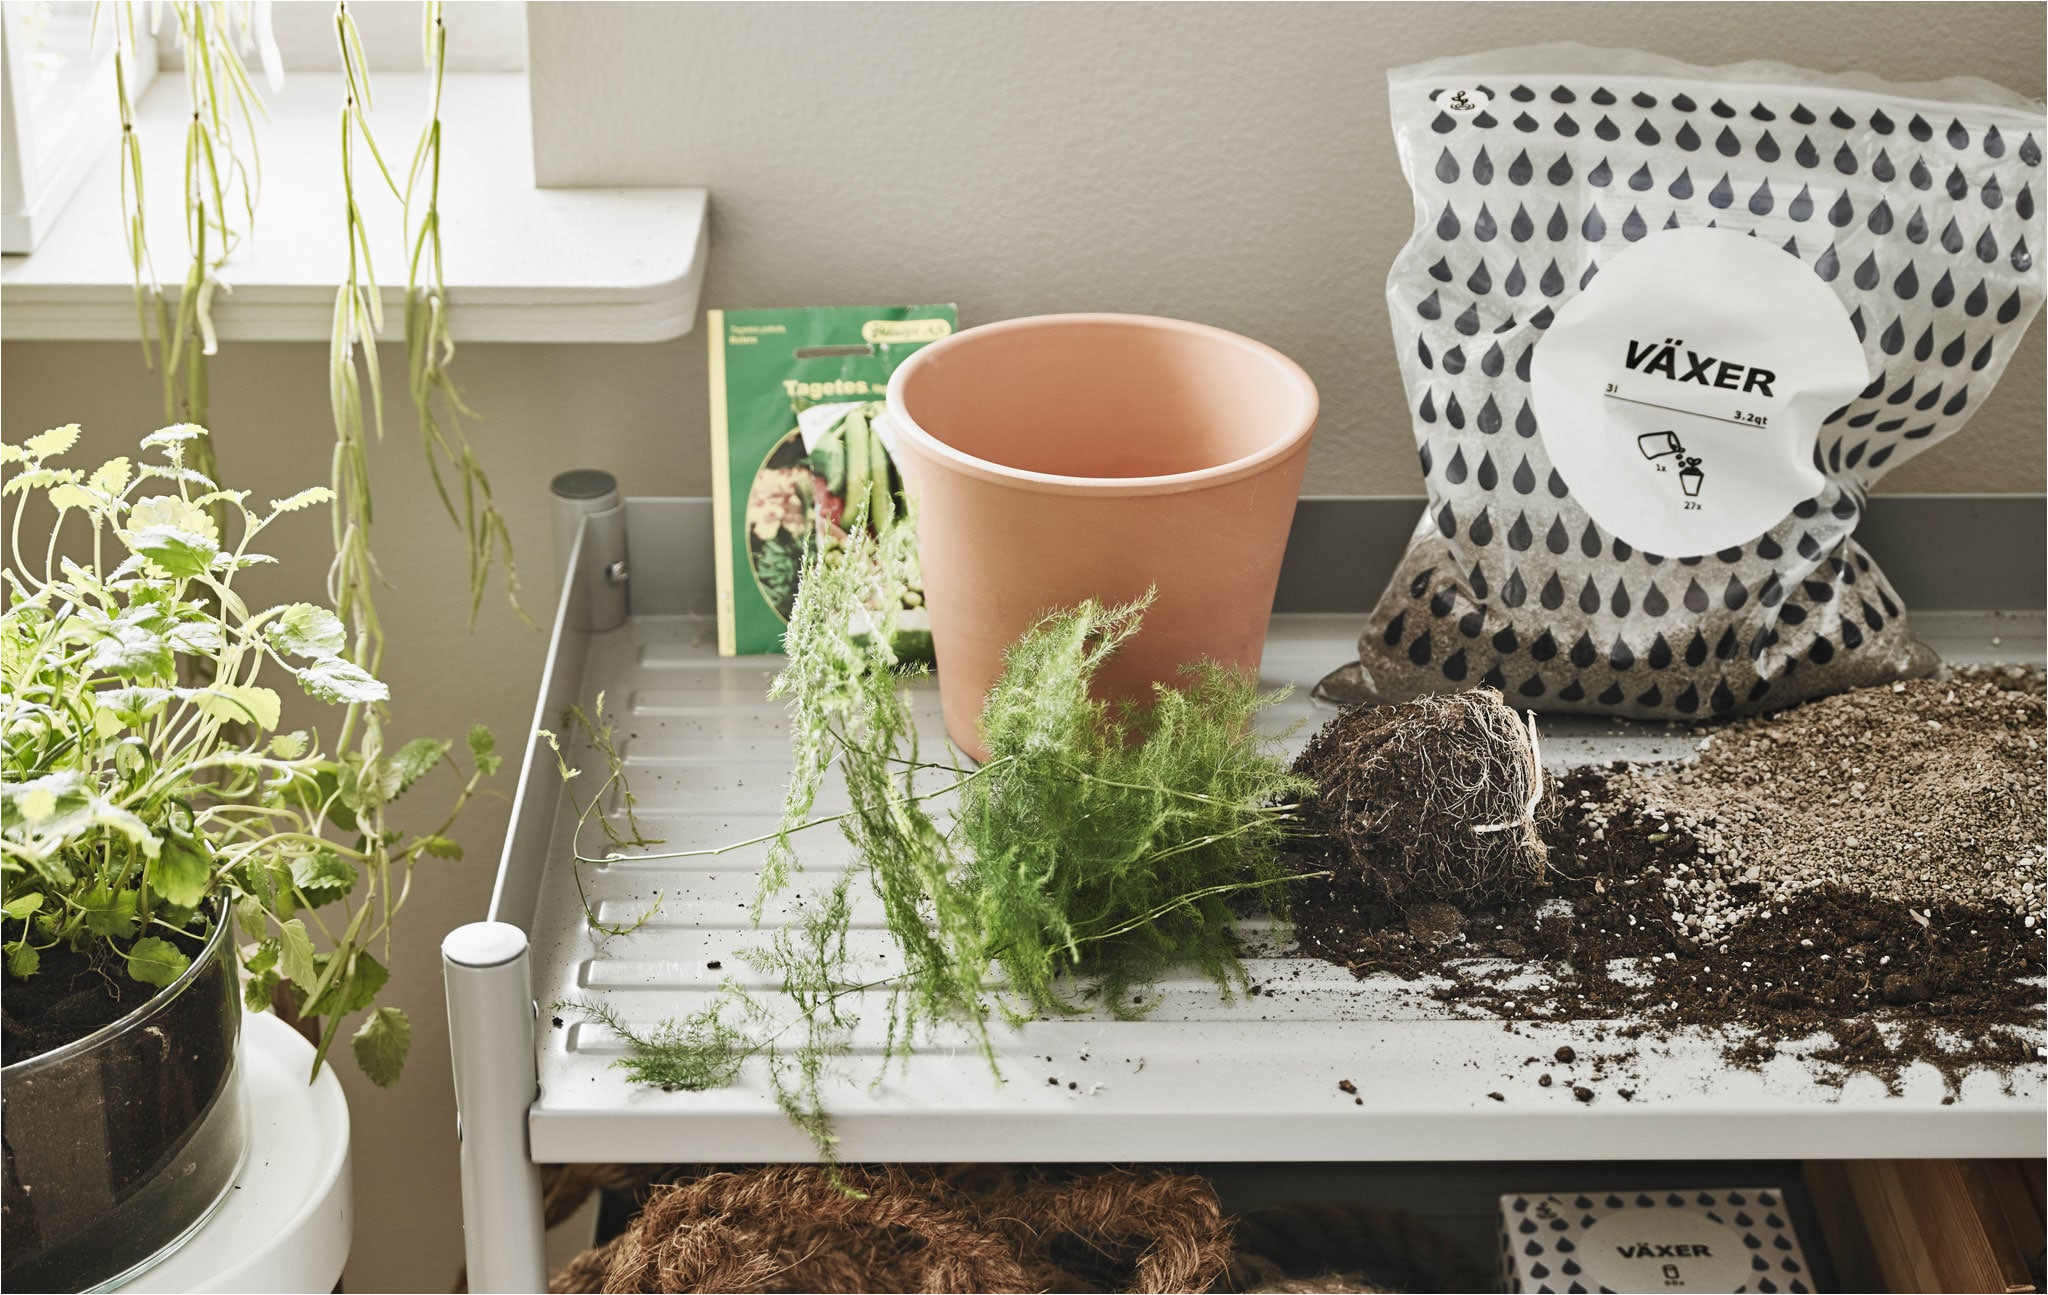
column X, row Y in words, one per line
column 1701, row 895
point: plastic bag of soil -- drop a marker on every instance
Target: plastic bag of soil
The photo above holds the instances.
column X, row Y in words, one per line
column 1662, row 328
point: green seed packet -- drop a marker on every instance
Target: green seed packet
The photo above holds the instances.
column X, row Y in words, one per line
column 794, row 394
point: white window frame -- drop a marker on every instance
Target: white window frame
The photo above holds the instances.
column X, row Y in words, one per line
column 42, row 161
column 485, row 35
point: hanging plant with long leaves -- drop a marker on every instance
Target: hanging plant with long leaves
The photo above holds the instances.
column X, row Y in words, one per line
column 222, row 185
column 222, row 181
column 430, row 348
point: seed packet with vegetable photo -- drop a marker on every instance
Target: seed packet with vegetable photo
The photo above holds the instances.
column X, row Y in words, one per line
column 794, row 394
column 1662, row 328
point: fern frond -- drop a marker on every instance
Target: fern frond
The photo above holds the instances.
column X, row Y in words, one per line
column 1098, row 846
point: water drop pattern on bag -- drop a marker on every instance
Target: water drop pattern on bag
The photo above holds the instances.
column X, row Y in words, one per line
column 1926, row 229
column 1538, row 1254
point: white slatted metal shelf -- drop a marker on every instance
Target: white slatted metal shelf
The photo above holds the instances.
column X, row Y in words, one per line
column 1251, row 1079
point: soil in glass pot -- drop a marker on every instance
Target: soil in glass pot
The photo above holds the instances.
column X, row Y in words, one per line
column 120, row 1143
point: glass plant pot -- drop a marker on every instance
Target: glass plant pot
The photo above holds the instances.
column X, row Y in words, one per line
column 120, row 1144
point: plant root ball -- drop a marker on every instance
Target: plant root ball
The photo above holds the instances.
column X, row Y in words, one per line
column 1433, row 799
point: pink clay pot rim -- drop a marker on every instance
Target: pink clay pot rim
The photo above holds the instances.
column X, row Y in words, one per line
column 1057, row 484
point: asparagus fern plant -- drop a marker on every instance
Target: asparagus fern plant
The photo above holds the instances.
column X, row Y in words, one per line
column 1099, row 844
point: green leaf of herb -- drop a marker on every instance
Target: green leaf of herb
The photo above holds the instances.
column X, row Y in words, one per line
column 238, row 704
column 483, row 749
column 175, row 434
column 111, row 477
column 132, row 707
column 37, row 479
column 108, row 912
column 303, row 499
column 47, row 445
column 295, row 954
column 353, row 990
column 323, row 876
column 181, row 553
column 264, row 959
column 156, row 961
column 414, row 760
column 303, row 629
column 130, row 651
column 249, row 916
column 258, row 988
column 440, row 847
column 21, row 906
column 381, row 1044
column 182, row 871
column 334, row 679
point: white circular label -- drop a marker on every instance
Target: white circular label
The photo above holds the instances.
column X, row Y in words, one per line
column 1665, row 1250
column 1680, row 394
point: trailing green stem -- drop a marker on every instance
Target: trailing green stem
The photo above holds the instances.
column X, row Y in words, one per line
column 1098, row 846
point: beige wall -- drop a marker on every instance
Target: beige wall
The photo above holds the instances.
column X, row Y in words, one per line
column 1226, row 163
column 1222, row 163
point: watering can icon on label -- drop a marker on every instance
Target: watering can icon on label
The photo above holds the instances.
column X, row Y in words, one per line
column 1661, row 445
column 1657, row 445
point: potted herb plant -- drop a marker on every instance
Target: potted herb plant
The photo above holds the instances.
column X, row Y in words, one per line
column 158, row 824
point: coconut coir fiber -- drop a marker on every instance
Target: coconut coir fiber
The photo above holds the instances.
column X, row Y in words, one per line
column 1863, row 867
column 790, row 1228
column 985, row 1228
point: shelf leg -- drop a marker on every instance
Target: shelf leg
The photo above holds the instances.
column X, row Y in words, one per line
column 491, row 1016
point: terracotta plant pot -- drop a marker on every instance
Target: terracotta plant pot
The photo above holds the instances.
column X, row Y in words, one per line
column 1067, row 457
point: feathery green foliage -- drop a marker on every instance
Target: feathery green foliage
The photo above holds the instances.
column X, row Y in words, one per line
column 697, row 1052
column 1108, row 842
column 1095, row 848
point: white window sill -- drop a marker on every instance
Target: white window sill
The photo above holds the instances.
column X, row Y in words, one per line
column 524, row 264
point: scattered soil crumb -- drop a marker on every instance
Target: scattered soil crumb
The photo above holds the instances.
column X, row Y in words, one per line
column 1863, row 871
